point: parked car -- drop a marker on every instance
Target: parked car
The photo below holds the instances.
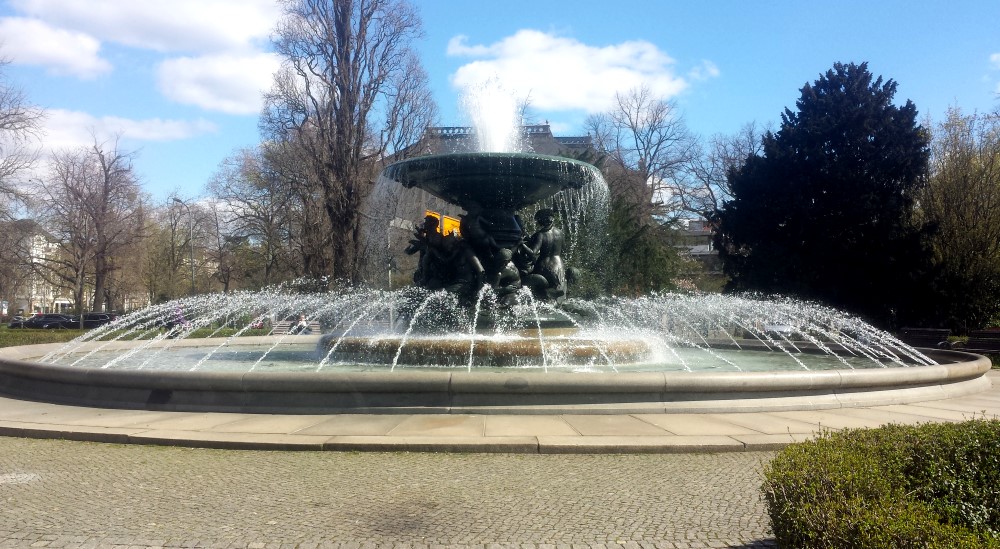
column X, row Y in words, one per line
column 46, row 321
column 93, row 320
column 16, row 321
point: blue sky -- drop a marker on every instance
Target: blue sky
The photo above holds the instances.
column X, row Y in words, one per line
column 180, row 80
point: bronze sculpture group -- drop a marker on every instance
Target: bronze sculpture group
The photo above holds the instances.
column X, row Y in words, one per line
column 465, row 264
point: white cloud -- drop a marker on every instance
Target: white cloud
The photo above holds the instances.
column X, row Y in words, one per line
column 458, row 47
column 227, row 83
column 704, row 71
column 995, row 63
column 226, row 73
column 175, row 25
column 66, row 129
column 559, row 74
column 34, row 42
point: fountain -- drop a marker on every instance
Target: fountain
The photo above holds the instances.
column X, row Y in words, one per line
column 498, row 335
column 491, row 325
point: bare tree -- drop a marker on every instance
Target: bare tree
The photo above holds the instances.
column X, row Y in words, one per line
column 257, row 208
column 221, row 250
column 310, row 235
column 647, row 146
column 93, row 206
column 15, row 271
column 350, row 93
column 20, row 121
column 60, row 200
column 704, row 185
column 166, row 240
column 117, row 210
column 125, row 282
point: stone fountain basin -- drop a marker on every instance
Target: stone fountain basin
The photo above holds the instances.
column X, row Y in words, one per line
column 480, row 391
column 506, row 181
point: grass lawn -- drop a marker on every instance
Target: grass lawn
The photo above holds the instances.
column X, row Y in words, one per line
column 18, row 336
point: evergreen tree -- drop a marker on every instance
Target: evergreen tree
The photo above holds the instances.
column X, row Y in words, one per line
column 825, row 210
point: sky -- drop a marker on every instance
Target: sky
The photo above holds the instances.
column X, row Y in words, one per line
column 179, row 82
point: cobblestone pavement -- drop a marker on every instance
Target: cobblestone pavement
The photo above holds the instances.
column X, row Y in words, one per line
column 78, row 494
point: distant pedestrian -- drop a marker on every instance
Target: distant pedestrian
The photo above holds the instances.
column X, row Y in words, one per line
column 302, row 326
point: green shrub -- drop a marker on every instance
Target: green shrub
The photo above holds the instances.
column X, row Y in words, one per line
column 934, row 485
column 957, row 469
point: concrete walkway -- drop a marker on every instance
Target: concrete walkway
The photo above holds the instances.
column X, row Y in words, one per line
column 545, row 434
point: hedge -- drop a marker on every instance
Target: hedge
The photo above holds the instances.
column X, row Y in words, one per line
column 932, row 485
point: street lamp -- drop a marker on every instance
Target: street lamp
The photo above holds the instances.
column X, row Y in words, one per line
column 190, row 237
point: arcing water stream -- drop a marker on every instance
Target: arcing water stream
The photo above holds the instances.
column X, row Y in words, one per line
column 373, row 330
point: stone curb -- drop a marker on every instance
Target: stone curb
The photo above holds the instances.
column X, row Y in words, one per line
column 580, row 434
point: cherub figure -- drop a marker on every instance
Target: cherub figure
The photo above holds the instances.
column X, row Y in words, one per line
column 434, row 254
column 547, row 277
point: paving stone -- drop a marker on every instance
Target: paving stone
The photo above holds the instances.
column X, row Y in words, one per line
column 528, row 426
column 266, row 423
column 440, row 425
column 695, row 424
column 107, row 495
column 613, row 425
column 354, row 425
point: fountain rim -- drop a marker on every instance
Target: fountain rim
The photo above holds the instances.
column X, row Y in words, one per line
column 459, row 156
column 958, row 373
column 425, row 172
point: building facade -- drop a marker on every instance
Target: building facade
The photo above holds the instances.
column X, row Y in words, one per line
column 31, row 248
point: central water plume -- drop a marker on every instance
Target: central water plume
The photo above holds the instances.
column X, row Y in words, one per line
column 495, row 116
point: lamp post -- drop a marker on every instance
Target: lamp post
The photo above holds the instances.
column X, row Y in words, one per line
column 190, row 238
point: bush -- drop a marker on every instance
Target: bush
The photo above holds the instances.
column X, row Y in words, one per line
column 934, row 485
